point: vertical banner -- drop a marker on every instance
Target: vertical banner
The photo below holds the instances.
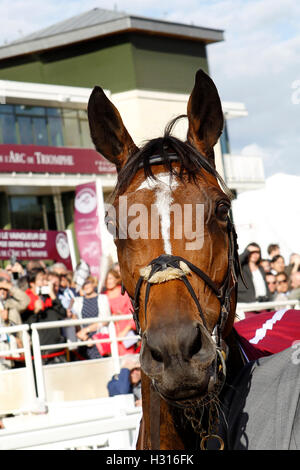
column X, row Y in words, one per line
column 88, row 225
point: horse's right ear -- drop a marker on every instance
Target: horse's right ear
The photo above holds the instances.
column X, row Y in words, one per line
column 108, row 132
column 205, row 116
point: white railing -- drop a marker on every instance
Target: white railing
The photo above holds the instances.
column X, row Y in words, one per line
column 30, row 392
column 109, row 423
column 242, row 308
column 37, row 348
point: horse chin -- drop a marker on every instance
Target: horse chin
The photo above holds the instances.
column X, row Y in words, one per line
column 190, row 396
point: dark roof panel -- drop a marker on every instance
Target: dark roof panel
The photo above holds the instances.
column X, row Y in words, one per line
column 98, row 22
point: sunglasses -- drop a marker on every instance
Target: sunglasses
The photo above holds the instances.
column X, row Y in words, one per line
column 273, row 282
column 280, row 282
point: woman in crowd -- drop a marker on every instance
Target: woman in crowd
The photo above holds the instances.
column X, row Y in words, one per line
column 120, row 305
column 257, row 288
column 90, row 305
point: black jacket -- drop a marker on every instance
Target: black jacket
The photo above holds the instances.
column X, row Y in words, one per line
column 247, row 294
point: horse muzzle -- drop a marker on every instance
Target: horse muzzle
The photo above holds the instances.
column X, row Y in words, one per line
column 183, row 362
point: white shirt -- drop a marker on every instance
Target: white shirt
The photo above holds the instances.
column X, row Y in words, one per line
column 259, row 283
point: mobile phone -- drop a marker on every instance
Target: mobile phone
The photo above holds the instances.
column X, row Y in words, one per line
column 15, row 276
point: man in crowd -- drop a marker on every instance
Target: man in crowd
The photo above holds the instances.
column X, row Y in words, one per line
column 271, row 281
column 13, row 301
column 128, row 381
column 282, row 286
column 273, row 250
column 44, row 306
column 295, row 286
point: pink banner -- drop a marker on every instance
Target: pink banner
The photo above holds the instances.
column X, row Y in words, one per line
column 42, row 159
column 35, row 244
column 87, row 226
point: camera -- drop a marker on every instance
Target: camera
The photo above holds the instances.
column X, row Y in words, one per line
column 43, row 290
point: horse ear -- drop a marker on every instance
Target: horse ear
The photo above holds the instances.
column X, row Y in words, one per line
column 108, row 132
column 205, row 116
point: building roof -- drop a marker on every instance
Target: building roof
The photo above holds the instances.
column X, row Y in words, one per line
column 98, row 23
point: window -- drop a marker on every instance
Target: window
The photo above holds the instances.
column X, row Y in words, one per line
column 38, row 125
column 32, row 213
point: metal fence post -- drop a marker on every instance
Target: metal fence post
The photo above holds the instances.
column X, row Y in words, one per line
column 28, row 365
column 38, row 365
column 114, row 346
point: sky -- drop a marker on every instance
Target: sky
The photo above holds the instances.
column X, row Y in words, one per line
column 257, row 64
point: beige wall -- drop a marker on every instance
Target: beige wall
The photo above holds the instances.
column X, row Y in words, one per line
column 146, row 113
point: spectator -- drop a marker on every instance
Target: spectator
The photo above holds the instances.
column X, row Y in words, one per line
column 271, row 282
column 91, row 305
column 273, row 250
column 266, row 265
column 128, row 381
column 16, row 270
column 294, row 264
column 282, row 286
column 12, row 302
column 295, row 286
column 44, row 306
column 35, row 264
column 277, row 264
column 254, row 276
column 58, row 268
column 121, row 305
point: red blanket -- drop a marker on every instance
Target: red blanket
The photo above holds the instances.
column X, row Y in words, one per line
column 268, row 333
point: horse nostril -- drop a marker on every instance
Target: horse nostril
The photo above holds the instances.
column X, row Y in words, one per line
column 156, row 355
column 196, row 344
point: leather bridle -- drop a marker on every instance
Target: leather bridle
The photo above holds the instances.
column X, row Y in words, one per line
column 223, row 294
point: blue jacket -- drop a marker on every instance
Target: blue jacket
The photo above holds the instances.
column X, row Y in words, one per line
column 120, row 384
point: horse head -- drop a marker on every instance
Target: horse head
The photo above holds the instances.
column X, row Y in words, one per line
column 175, row 242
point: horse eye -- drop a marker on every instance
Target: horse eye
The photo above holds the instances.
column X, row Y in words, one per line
column 222, row 211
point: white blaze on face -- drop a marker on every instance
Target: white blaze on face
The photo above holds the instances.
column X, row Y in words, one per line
column 163, row 187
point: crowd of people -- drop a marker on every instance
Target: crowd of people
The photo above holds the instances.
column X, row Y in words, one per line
column 36, row 293
column 268, row 280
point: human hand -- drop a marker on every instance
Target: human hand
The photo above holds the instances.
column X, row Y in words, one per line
column 82, row 334
column 138, row 403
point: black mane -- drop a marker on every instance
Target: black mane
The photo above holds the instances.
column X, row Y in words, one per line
column 190, row 160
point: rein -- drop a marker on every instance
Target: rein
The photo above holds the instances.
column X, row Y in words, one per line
column 182, row 268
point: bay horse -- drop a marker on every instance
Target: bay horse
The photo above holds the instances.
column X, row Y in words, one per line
column 183, row 293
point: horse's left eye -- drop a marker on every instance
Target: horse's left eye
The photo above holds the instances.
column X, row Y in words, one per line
column 222, row 211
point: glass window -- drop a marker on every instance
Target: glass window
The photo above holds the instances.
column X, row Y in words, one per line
column 53, row 112
column 56, row 131
column 71, row 132
column 86, row 140
column 25, row 130
column 26, row 213
column 40, row 131
column 6, row 108
column 32, row 213
column 8, row 133
column 30, row 110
